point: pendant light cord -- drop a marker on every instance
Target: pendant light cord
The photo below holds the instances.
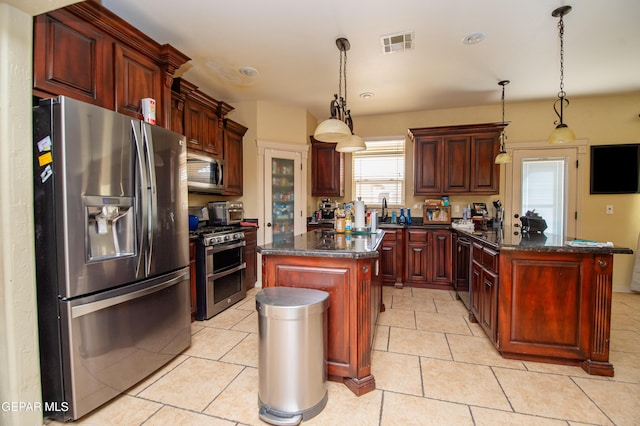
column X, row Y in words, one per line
column 562, row 93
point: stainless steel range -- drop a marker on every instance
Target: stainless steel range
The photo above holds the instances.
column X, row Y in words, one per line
column 220, row 269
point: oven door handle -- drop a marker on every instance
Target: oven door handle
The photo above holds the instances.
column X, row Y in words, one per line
column 219, row 275
column 223, row 247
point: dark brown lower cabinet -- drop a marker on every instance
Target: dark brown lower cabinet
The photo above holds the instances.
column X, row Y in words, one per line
column 428, row 258
column 192, row 277
column 392, row 257
column 484, row 288
column 251, row 258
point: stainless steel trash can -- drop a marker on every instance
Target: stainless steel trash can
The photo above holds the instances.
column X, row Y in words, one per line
column 292, row 348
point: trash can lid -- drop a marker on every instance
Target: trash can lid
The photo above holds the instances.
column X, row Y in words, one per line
column 292, row 302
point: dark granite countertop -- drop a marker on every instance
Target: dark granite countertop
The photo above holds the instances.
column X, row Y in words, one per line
column 536, row 242
column 326, row 243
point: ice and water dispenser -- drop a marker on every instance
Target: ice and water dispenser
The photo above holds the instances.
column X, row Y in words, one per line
column 109, row 227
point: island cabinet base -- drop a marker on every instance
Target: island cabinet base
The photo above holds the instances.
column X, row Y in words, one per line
column 355, row 299
column 556, row 307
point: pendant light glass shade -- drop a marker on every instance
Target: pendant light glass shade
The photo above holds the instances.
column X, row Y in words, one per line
column 562, row 134
column 353, row 144
column 503, row 158
column 332, row 130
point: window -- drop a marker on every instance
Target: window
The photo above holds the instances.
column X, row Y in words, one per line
column 378, row 171
column 543, row 189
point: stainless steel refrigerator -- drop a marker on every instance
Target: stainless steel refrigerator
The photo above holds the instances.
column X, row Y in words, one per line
column 111, row 228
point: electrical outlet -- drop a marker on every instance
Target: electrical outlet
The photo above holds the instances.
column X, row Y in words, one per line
column 456, row 208
column 609, row 209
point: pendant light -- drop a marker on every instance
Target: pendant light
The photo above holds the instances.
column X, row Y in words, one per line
column 562, row 133
column 504, row 157
column 339, row 127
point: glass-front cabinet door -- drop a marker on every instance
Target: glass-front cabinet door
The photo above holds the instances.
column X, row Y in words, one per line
column 284, row 214
column 282, row 198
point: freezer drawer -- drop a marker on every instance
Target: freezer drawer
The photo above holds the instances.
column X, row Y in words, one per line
column 117, row 339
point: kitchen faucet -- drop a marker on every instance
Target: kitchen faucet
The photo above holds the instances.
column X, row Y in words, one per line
column 384, row 206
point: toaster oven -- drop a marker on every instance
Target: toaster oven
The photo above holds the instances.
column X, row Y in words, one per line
column 225, row 212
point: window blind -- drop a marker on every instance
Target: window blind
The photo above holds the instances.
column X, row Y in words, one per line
column 379, row 171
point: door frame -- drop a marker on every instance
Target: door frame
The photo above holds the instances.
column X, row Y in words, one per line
column 546, row 149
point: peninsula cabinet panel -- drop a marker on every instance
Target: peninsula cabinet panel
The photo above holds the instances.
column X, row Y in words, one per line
column 70, row 59
column 327, row 170
column 136, row 77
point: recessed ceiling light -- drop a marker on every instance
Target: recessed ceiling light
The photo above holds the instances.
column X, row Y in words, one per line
column 249, row 71
column 474, row 38
column 367, row 95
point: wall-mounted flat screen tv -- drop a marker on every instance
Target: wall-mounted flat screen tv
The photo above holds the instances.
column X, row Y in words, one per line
column 615, row 169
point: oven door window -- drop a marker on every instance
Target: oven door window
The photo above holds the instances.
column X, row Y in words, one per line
column 224, row 257
column 226, row 286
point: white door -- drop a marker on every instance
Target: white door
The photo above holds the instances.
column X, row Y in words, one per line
column 545, row 179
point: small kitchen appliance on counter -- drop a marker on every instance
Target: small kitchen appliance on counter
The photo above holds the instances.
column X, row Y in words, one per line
column 226, row 212
column 327, row 210
column 533, row 223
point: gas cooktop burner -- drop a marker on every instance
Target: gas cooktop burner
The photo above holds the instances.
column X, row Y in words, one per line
column 212, row 235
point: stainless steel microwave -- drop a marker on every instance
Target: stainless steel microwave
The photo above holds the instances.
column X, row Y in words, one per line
column 205, row 174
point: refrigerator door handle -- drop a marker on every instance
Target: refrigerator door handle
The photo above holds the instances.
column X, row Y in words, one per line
column 87, row 308
column 153, row 194
column 141, row 195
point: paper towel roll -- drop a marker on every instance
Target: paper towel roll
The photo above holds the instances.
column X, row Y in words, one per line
column 359, row 215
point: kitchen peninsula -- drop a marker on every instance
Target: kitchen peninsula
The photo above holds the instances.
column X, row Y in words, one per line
column 541, row 298
column 347, row 266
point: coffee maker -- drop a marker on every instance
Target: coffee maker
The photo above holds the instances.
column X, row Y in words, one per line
column 327, row 210
column 499, row 215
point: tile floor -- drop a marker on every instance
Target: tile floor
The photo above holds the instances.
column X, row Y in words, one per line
column 432, row 367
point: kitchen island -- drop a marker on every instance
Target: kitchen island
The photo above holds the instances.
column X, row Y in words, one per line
column 540, row 298
column 347, row 267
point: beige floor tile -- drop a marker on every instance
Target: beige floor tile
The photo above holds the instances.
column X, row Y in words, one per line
column 463, row 383
column 625, row 341
column 413, row 304
column 249, row 324
column 123, row 411
column 564, row 370
column 381, row 341
column 432, row 294
column 624, row 322
column 407, row 410
column 135, row 390
column 479, row 350
column 548, row 395
column 238, row 402
column 419, row 342
column 226, row 319
column 244, row 353
column 385, row 367
column 397, row 318
column 193, row 384
column 626, row 366
column 249, row 302
column 196, row 326
column 388, row 290
column 345, row 408
column 476, row 328
column 171, row 416
column 213, row 343
column 488, row 417
column 442, row 323
column 620, row 401
column 453, row 307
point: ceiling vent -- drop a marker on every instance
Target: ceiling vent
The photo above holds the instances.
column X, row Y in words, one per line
column 394, row 43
